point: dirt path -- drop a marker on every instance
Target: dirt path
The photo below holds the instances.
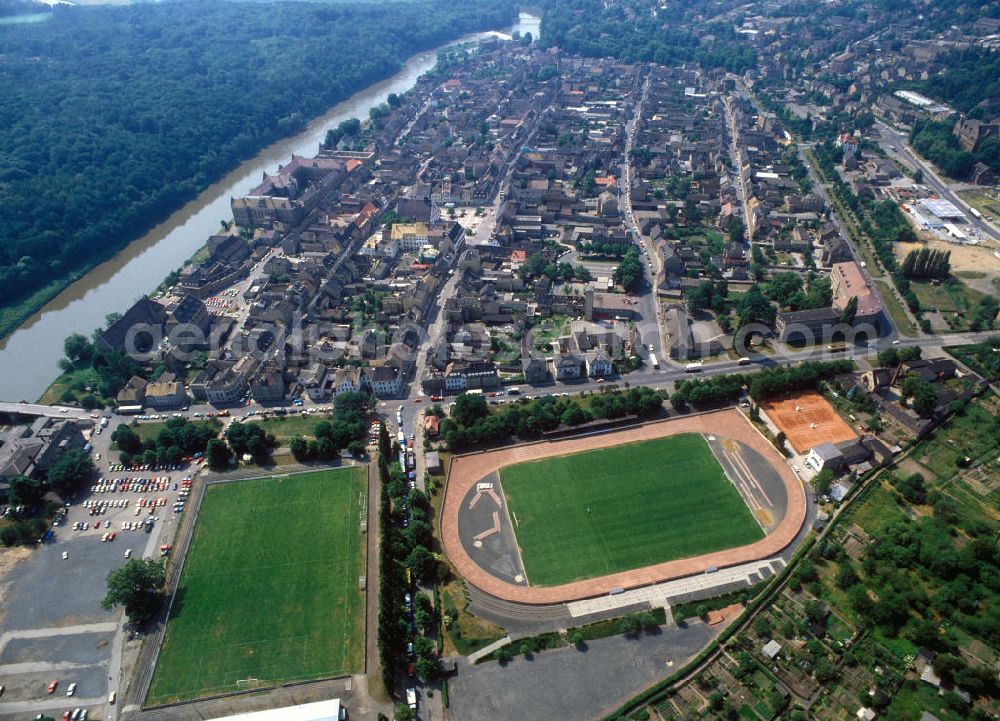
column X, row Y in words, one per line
column 467, row 470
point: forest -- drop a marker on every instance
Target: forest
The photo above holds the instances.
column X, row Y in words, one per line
column 936, row 142
column 632, row 32
column 967, row 79
column 114, row 116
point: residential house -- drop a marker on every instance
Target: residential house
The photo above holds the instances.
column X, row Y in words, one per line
column 268, row 384
column 599, row 364
column 164, row 395
column 567, row 366
column 385, row 381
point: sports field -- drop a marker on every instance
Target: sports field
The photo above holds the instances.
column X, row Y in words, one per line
column 624, row 507
column 270, row 587
column 808, row 419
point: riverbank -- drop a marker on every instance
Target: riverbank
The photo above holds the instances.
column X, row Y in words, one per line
column 29, row 357
column 90, row 226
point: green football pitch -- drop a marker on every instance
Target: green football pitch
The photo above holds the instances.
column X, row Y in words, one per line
column 598, row 512
column 269, row 589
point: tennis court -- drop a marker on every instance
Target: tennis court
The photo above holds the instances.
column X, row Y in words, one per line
column 807, row 420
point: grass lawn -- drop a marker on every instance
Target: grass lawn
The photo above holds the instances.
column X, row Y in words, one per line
column 896, row 311
column 951, row 297
column 981, row 202
column 285, row 428
column 76, row 383
column 270, row 586
column 934, row 297
column 598, row 512
column 467, row 632
column 914, row 698
column 149, row 431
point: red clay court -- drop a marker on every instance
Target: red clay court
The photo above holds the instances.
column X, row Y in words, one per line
column 808, row 420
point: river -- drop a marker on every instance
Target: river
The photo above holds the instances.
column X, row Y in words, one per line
column 30, row 356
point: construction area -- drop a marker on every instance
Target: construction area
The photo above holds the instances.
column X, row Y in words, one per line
column 807, row 419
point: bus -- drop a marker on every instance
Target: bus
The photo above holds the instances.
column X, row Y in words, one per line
column 129, row 410
column 692, row 367
column 837, row 347
column 976, row 213
column 744, row 361
column 653, row 362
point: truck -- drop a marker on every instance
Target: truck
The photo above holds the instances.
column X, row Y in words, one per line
column 653, row 361
column 692, row 367
column 411, row 698
column 976, row 213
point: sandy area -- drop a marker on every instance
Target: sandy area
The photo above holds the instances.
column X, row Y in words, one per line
column 974, row 258
column 9, row 558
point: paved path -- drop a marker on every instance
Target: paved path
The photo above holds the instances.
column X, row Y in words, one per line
column 371, row 574
column 488, row 649
column 52, row 704
column 469, row 469
column 57, row 631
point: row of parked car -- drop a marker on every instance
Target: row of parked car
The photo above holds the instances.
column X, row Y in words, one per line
column 127, row 485
column 122, row 468
column 183, row 495
column 86, row 525
column 77, row 714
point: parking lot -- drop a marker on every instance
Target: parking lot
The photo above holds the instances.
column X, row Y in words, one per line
column 52, row 626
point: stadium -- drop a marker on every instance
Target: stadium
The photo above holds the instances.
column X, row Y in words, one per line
column 558, row 521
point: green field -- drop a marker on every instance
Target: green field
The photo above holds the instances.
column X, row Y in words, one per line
column 270, row 586
column 598, row 512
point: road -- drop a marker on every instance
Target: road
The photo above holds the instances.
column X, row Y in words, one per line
column 734, row 153
column 897, row 145
column 819, row 187
column 666, row 377
column 37, row 409
column 648, row 304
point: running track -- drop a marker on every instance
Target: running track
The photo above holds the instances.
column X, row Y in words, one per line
column 467, row 470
